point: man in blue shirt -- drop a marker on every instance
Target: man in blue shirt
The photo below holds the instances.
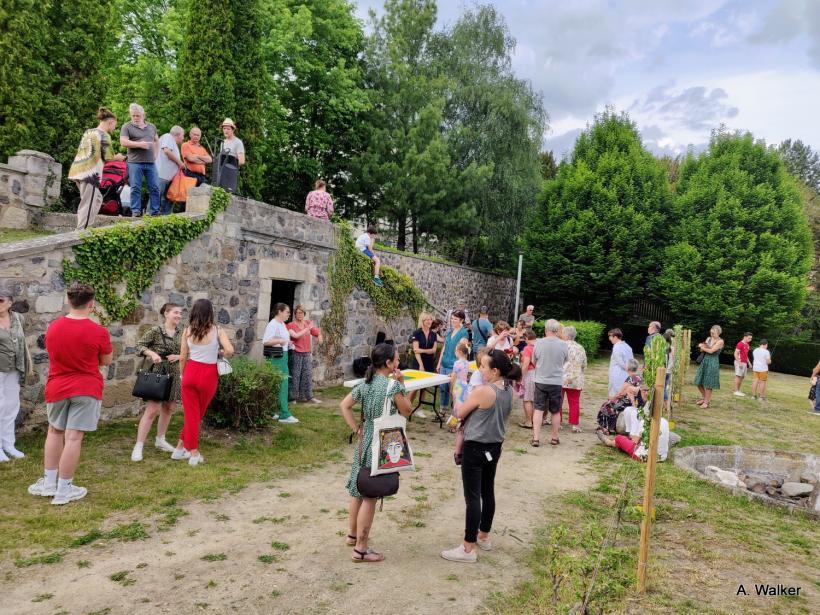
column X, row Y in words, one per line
column 482, row 329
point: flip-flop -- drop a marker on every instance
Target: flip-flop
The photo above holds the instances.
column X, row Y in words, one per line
column 363, row 556
column 350, row 541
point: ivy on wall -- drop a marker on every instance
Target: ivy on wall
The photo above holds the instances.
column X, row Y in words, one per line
column 120, row 261
column 348, row 269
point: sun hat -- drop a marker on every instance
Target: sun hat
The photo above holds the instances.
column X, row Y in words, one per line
column 228, row 122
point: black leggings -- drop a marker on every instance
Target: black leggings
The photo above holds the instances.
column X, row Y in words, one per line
column 478, row 477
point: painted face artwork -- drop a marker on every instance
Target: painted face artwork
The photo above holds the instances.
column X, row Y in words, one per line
column 394, row 452
column 393, row 449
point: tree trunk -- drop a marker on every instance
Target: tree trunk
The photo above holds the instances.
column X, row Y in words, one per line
column 415, row 224
column 401, row 230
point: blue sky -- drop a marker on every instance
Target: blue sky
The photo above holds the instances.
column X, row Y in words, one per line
column 679, row 67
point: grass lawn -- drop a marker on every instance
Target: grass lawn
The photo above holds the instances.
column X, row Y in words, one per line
column 8, row 235
column 126, row 500
column 705, row 542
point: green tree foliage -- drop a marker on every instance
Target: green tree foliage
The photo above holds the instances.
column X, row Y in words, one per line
column 312, row 51
column 593, row 241
column 221, row 74
column 740, row 245
column 801, row 161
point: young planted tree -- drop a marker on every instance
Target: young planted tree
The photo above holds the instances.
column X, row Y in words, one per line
column 592, row 243
column 740, row 244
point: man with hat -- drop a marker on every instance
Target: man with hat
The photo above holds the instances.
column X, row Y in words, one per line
column 232, row 144
column 231, row 157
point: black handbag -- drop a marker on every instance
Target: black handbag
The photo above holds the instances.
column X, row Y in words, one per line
column 379, row 486
column 154, row 386
column 273, row 352
column 700, row 358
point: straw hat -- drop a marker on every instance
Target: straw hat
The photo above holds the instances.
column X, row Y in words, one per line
column 228, row 122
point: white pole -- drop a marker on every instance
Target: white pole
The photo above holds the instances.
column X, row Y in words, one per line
column 518, row 285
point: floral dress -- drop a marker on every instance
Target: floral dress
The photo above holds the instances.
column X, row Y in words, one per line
column 371, row 396
column 575, row 366
column 708, row 374
column 156, row 340
column 461, row 369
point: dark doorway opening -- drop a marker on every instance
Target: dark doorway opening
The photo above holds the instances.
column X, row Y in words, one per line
column 282, row 291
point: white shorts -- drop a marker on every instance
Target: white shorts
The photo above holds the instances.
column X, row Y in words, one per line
column 741, row 369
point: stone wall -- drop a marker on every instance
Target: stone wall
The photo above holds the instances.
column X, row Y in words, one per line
column 28, row 183
column 239, row 263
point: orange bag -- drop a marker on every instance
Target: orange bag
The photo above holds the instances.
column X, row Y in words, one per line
column 179, row 186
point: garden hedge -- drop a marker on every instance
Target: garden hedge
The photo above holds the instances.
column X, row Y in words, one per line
column 589, row 333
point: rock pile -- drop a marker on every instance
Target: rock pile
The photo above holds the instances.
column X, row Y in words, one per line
column 803, row 492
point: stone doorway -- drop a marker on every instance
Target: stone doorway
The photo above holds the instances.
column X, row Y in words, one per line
column 283, row 291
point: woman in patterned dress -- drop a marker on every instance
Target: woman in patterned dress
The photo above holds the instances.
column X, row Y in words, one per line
column 574, row 376
column 160, row 346
column 707, row 378
column 371, row 394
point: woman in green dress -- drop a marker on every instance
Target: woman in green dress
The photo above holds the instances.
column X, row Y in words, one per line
column 371, row 394
column 160, row 348
column 707, row 378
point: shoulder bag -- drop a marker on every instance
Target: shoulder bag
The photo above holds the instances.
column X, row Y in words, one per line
column 223, row 366
column 381, row 485
column 154, row 386
column 390, row 450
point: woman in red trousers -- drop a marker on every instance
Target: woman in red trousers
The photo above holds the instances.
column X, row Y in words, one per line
column 202, row 344
column 574, row 376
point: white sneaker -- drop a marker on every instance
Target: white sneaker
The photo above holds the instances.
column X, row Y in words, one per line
column 3, row 456
column 194, row 461
column 180, row 453
column 420, row 414
column 69, row 495
column 460, row 555
column 136, row 454
column 740, row 394
column 40, row 488
column 484, row 545
column 163, row 445
column 275, row 417
column 13, row 452
column 315, row 400
column 291, row 420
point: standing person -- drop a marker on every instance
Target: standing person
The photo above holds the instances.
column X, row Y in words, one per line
column 574, row 376
column 761, row 359
column 201, row 346
column 482, row 328
column 501, row 338
column 707, row 378
column 621, row 354
column 15, row 363
column 815, row 389
column 77, row 347
column 371, row 394
column 528, row 371
column 276, row 337
column 195, row 156
column 742, row 362
column 550, row 355
column 425, row 341
column 528, row 316
column 232, row 145
column 653, row 329
column 87, row 169
column 364, row 244
column 141, row 140
column 461, row 306
column 485, row 413
column 161, row 345
column 319, row 204
column 169, row 163
column 300, row 383
column 447, row 358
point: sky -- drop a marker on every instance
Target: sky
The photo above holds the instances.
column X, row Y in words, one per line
column 680, row 68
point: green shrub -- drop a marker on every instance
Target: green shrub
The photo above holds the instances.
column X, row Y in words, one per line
column 589, row 333
column 247, row 398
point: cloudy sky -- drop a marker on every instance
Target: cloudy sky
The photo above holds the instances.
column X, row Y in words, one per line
column 679, row 67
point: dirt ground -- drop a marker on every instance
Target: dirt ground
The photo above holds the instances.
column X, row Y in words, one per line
column 300, row 524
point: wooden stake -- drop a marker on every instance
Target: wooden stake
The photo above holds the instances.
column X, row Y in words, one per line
column 649, row 485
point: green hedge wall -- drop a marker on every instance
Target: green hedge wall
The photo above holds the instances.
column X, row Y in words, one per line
column 589, row 333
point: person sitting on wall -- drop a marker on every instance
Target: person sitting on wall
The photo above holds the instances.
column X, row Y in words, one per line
column 319, row 204
column 364, row 244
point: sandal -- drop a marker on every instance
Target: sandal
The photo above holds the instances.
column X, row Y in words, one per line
column 555, row 441
column 368, row 556
column 576, row 429
column 525, row 426
column 351, row 540
column 704, row 406
column 535, row 443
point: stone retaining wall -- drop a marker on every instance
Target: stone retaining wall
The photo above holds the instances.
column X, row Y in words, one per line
column 250, row 248
column 28, row 183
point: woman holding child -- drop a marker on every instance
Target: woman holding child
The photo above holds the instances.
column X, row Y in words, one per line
column 371, row 394
column 485, row 413
column 707, row 378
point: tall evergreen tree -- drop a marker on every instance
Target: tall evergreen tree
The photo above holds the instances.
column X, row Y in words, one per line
column 221, row 74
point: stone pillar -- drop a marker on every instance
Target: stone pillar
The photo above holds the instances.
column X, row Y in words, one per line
column 198, row 200
column 29, row 182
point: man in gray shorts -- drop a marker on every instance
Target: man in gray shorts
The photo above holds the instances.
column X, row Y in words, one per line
column 77, row 347
column 549, row 355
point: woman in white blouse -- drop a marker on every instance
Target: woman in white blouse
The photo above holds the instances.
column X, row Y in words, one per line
column 277, row 342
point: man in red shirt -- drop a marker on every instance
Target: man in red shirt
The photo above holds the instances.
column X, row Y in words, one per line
column 77, row 347
column 742, row 362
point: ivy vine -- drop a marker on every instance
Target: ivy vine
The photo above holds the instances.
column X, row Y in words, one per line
column 120, row 261
column 348, row 269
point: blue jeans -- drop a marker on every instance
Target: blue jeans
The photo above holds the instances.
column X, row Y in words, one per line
column 817, row 396
column 136, row 170
column 445, row 388
column 165, row 206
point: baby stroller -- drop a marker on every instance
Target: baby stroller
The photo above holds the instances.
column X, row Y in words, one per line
column 114, row 176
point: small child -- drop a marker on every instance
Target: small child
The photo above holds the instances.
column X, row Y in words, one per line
column 460, row 388
column 476, row 380
column 761, row 359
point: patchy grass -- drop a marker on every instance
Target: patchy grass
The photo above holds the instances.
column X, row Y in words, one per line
column 214, row 557
column 7, row 235
column 157, row 488
column 705, row 542
column 280, row 546
column 268, row 558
